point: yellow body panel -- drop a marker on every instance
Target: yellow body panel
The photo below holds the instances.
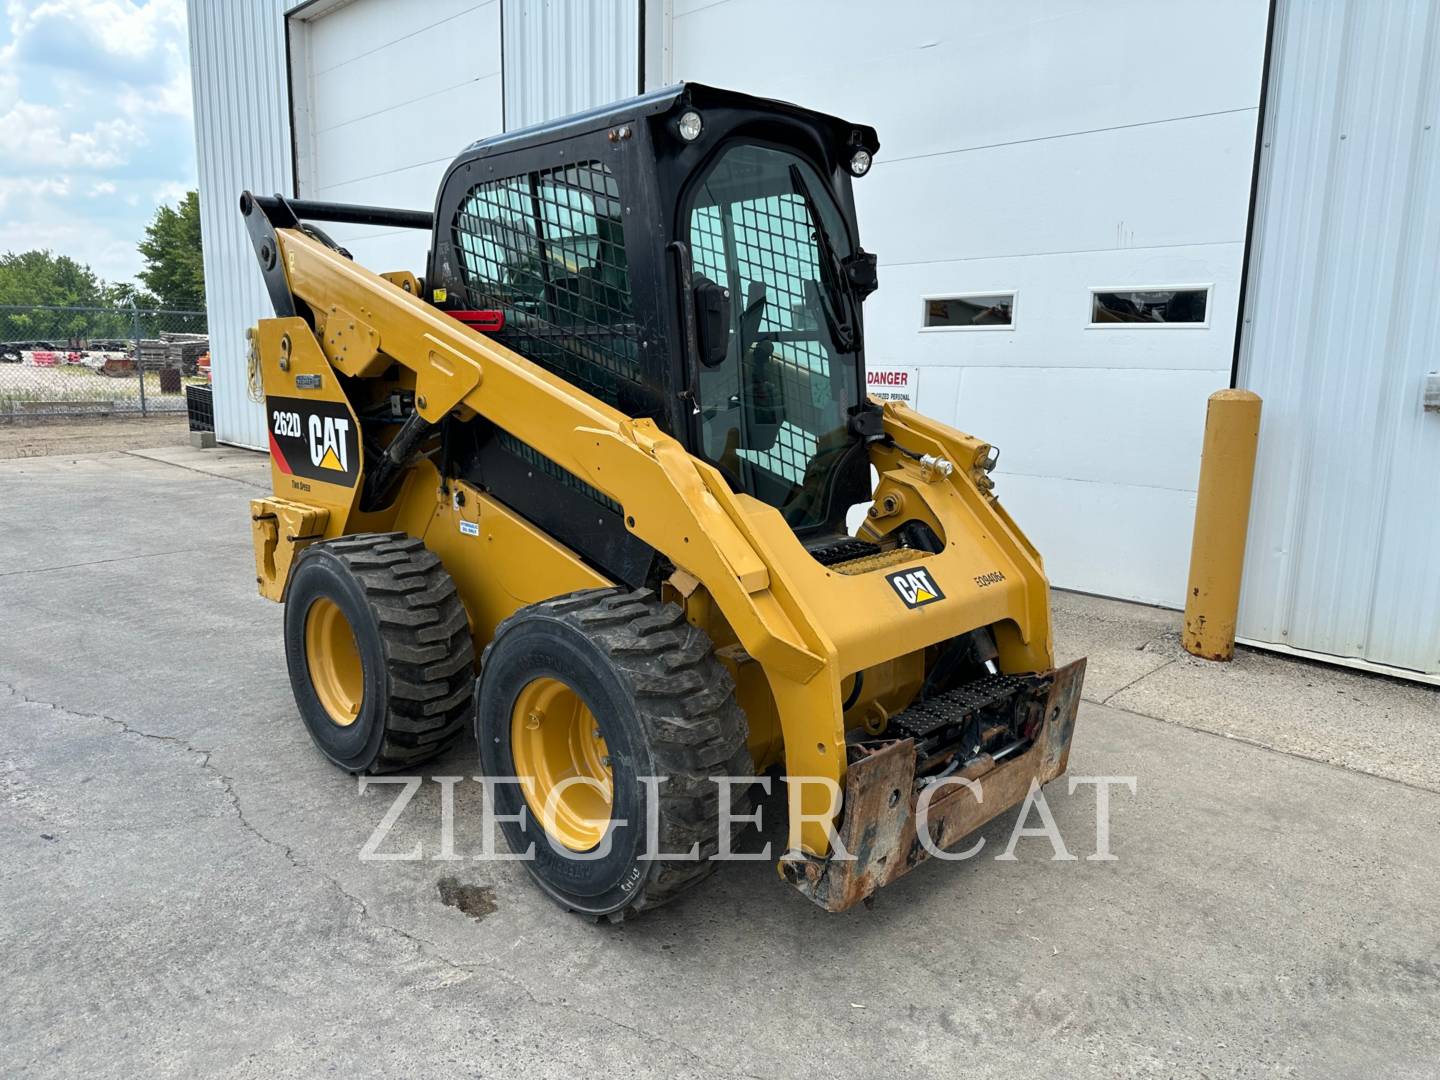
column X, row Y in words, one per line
column 499, row 561
column 289, row 357
column 793, row 632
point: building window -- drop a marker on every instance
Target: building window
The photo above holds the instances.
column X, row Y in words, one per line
column 1166, row 305
column 970, row 311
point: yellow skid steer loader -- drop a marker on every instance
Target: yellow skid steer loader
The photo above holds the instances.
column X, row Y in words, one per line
column 583, row 488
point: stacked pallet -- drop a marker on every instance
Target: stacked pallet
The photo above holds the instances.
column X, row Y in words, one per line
column 181, row 352
column 185, row 350
column 154, row 354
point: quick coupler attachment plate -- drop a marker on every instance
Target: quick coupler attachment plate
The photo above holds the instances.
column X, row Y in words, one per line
column 879, row 823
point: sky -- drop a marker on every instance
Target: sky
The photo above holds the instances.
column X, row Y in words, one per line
column 96, row 126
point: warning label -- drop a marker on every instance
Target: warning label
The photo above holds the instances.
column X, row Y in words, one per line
column 892, row 384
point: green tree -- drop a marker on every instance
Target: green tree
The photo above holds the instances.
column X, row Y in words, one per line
column 40, row 277
column 174, row 270
column 42, row 284
column 123, row 294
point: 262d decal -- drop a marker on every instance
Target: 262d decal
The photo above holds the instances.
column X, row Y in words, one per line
column 314, row 439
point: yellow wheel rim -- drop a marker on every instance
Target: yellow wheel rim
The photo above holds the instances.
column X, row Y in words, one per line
column 562, row 763
column 333, row 659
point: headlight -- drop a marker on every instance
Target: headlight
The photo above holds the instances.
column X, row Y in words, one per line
column 860, row 162
column 690, row 125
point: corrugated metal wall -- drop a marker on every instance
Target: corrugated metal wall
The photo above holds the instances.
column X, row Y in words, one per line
column 242, row 128
column 563, row 56
column 1342, row 322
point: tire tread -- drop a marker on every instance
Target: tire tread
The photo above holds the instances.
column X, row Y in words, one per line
column 425, row 632
column 685, row 700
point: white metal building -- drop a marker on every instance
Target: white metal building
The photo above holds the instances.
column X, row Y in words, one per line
column 1072, row 203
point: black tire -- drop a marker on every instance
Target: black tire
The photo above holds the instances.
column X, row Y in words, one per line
column 417, row 657
column 665, row 708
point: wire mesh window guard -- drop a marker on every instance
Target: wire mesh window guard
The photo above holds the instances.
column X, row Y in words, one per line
column 763, row 247
column 548, row 250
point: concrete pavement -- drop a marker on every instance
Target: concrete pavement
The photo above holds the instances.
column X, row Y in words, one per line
column 181, row 891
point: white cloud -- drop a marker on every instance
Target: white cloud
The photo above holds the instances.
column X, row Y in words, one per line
column 172, row 98
column 36, row 136
column 16, row 189
column 116, row 37
column 171, row 192
column 95, row 124
column 107, row 251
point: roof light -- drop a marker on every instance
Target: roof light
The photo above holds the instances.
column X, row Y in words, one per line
column 690, row 125
column 860, row 162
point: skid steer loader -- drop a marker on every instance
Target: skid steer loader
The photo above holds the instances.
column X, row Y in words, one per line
column 584, row 488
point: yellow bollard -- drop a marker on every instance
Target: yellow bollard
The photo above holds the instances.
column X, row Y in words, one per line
column 1222, row 515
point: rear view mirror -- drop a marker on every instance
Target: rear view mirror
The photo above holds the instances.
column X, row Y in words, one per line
column 712, row 321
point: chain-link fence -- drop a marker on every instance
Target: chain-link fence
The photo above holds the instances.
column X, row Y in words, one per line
column 90, row 361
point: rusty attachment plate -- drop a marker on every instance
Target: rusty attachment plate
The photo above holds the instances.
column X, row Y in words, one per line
column 880, row 813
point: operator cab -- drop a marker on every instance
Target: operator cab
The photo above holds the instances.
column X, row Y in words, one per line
column 691, row 256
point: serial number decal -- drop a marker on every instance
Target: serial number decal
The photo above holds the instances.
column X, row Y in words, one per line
column 994, row 577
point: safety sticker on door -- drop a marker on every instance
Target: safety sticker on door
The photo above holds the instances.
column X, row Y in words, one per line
column 916, row 587
column 314, row 439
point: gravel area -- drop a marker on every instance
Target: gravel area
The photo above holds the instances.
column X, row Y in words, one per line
column 41, row 438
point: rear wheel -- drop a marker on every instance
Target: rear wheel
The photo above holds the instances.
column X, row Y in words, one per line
column 581, row 699
column 379, row 651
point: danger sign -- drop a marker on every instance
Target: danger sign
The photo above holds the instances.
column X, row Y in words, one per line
column 892, row 384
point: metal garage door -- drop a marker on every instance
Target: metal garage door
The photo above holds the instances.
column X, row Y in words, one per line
column 1342, row 327
column 384, row 96
column 1039, row 151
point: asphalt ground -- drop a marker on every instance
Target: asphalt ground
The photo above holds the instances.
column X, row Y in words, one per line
column 182, row 892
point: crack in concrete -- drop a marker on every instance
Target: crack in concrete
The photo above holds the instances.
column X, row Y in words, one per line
column 425, row 947
column 1139, row 678
column 198, row 472
column 101, row 562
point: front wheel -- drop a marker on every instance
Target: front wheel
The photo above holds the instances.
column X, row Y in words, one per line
column 581, row 699
column 379, row 649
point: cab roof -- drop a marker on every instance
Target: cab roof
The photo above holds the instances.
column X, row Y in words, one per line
column 658, row 103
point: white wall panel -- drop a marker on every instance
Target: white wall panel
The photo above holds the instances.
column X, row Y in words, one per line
column 1052, row 308
column 1116, row 539
column 439, row 54
column 566, row 56
column 1183, row 182
column 936, row 77
column 242, row 137
column 1342, row 326
column 386, row 95
column 1045, row 149
column 1088, row 425
column 374, row 29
